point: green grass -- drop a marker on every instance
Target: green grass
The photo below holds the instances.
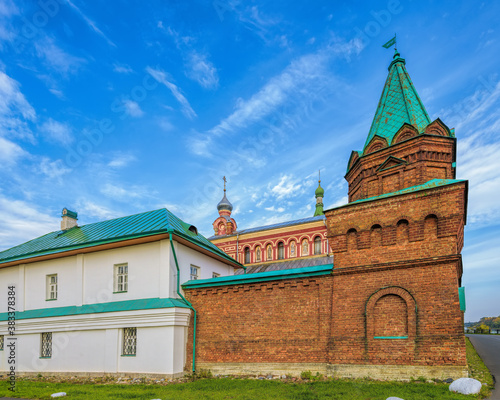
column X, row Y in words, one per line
column 238, row 389
column 477, row 369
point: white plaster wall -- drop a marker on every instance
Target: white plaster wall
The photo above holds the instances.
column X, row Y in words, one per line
column 35, row 283
column 187, row 256
column 143, row 273
column 83, row 344
column 8, row 276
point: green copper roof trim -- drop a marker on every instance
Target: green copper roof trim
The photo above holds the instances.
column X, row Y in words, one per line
column 390, row 337
column 461, row 298
column 399, row 103
column 260, row 277
column 97, row 308
column 111, row 231
column 428, row 185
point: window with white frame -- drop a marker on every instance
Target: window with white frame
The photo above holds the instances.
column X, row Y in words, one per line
column 1, row 342
column 129, row 347
column 51, row 287
column 121, row 278
column 46, row 345
column 194, row 272
column 215, row 275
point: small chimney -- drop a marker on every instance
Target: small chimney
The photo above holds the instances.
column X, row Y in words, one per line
column 69, row 219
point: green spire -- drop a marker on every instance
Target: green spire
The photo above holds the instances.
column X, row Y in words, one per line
column 319, row 193
column 398, row 104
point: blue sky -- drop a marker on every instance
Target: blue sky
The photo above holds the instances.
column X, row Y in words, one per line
column 116, row 108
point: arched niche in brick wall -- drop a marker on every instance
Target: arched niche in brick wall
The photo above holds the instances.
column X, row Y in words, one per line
column 430, row 227
column 377, row 143
column 406, row 132
column 376, row 236
column 352, row 239
column 391, row 313
column 402, row 231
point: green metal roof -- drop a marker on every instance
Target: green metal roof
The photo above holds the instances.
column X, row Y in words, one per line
column 127, row 305
column 114, row 230
column 427, row 185
column 398, row 104
column 260, row 277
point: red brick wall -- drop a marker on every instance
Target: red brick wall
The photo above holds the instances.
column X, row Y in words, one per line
column 425, row 158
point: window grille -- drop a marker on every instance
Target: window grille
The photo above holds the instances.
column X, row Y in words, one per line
column 121, row 278
column 52, row 287
column 194, row 272
column 46, row 347
column 1, row 342
column 129, row 341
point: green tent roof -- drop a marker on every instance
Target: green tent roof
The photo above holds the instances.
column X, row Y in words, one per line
column 398, row 104
column 114, row 230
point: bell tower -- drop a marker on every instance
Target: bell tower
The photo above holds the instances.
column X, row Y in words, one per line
column 224, row 225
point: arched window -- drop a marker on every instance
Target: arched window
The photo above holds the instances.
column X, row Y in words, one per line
column 317, row 245
column 281, row 251
column 269, row 252
column 305, row 247
column 221, row 229
column 257, row 254
column 292, row 249
column 247, row 255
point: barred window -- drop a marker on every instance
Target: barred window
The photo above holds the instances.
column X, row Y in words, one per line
column 51, row 287
column 1, row 342
column 215, row 275
column 129, row 341
column 46, row 345
column 121, row 278
column 194, row 272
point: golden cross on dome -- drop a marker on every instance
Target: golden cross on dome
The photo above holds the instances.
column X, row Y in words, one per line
column 224, row 179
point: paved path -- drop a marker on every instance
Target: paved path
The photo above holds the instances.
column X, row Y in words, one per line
column 488, row 347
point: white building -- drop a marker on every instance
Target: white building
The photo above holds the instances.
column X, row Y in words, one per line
column 103, row 297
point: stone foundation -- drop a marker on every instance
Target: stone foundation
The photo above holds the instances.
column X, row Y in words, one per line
column 383, row 372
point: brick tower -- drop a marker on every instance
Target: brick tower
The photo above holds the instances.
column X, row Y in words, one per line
column 397, row 301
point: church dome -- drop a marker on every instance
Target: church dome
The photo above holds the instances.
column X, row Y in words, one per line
column 319, row 191
column 224, row 204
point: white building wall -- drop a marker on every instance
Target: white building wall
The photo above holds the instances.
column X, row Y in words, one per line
column 92, row 343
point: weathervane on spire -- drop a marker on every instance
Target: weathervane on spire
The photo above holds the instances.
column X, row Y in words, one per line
column 319, row 175
column 390, row 43
column 224, row 179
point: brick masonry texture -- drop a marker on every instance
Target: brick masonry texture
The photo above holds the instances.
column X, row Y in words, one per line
column 392, row 298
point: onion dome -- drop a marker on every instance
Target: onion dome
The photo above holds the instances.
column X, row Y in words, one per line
column 319, row 191
column 224, row 204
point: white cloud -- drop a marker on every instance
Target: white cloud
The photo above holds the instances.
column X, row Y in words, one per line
column 21, row 221
column 272, row 208
column 57, row 132
column 89, row 209
column 122, row 68
column 199, row 67
column 56, row 58
column 161, row 77
column 133, row 109
column 15, row 111
column 286, row 188
column 10, row 152
column 53, row 169
column 477, row 158
column 90, row 23
column 121, row 160
column 12, row 100
column 202, row 70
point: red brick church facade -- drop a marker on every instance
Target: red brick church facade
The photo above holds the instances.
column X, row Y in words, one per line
column 391, row 305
